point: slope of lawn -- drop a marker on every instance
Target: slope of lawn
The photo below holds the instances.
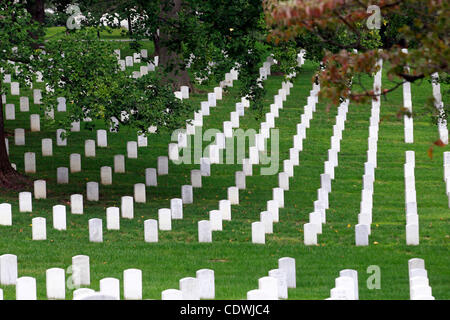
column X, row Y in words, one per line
column 236, row 261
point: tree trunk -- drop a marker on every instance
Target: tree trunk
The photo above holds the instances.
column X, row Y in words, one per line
column 170, row 60
column 36, row 9
column 130, row 26
column 9, row 178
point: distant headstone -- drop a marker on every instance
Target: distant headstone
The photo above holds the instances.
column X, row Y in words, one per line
column 127, row 207
column 59, row 217
column 95, row 230
column 40, row 189
column 92, row 191
column 39, row 228
column 25, row 204
column 119, row 163
column 113, row 218
column 187, row 194
column 62, row 175
column 151, row 230
column 76, row 203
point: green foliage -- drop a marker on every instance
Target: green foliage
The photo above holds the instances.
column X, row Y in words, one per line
column 85, row 71
column 19, row 34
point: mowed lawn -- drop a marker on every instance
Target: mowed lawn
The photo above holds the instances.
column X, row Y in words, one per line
column 237, row 262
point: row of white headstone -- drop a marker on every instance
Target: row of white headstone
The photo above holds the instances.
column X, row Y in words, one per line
column 10, row 112
column 80, row 276
column 346, row 286
column 412, row 218
column 275, row 285
column 363, row 228
column 318, row 216
column 265, row 225
column 165, row 215
column 205, row 227
column 200, row 287
column 447, row 175
column 407, row 104
column 271, row 215
column 419, row 286
column 439, row 104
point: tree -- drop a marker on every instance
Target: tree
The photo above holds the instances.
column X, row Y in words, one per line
column 102, row 91
column 16, row 26
column 426, row 38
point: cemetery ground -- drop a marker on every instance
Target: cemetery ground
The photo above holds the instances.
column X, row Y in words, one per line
column 236, row 261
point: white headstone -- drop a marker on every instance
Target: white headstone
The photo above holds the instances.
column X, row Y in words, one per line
column 204, row 231
column 310, row 234
column 225, row 208
column 171, row 294
column 163, row 165
column 151, row 230
column 59, row 217
column 89, row 148
column 61, row 139
column 113, row 218
column 187, row 194
column 75, row 163
column 24, row 104
column 151, row 178
column 19, row 137
column 233, row 195
column 95, row 230
column 76, row 203
column 412, row 234
column 81, row 274
column 39, row 228
column 361, row 235
column 111, row 287
column 205, row 279
column 165, row 219
column 102, row 138
column 5, row 214
column 119, row 163
column 127, row 207
column 176, row 208
column 25, row 204
column 40, row 189
column 258, row 232
column 270, row 286
column 35, row 123
column 288, row 265
column 62, row 175
column 281, row 277
column 61, row 104
column 30, row 162
column 196, row 178
column 26, row 288
column 190, row 288
column 132, row 284
column 132, row 149
column 55, row 283
column 273, row 208
column 278, row 195
column 92, row 191
column 8, row 269
column 47, row 147
column 139, row 193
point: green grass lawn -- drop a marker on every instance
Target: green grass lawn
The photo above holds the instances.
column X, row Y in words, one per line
column 238, row 264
